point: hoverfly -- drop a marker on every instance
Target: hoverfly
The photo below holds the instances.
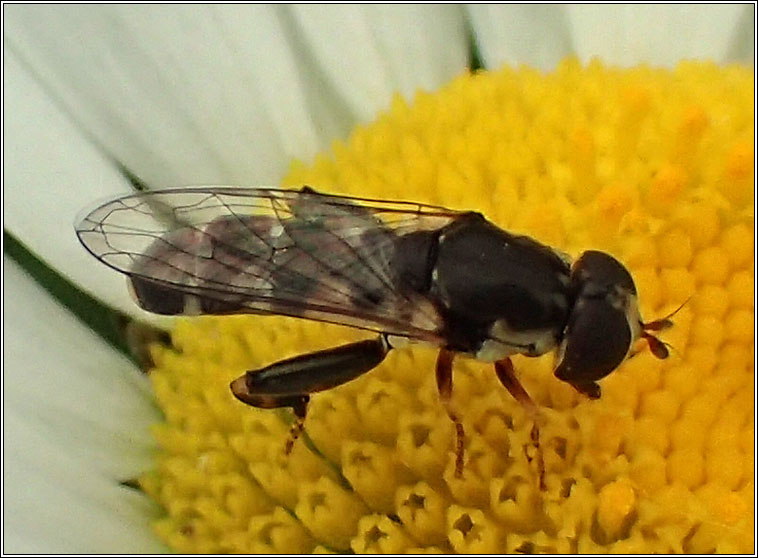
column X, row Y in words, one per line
column 409, row 271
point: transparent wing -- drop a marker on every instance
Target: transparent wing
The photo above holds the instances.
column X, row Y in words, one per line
column 271, row 251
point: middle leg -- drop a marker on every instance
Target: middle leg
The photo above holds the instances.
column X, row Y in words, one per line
column 507, row 377
column 444, row 372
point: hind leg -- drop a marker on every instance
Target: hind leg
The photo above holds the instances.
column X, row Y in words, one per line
column 299, row 408
column 289, row 382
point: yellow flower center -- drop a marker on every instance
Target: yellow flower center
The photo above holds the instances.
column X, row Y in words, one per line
column 653, row 166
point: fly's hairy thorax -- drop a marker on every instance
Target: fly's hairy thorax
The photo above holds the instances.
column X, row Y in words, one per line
column 498, row 293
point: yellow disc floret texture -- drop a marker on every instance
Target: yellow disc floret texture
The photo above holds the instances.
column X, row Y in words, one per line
column 652, row 166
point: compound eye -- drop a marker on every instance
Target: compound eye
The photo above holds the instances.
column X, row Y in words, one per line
column 596, row 341
column 602, row 270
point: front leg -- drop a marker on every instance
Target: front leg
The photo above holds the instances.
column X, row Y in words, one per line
column 289, row 382
column 507, row 377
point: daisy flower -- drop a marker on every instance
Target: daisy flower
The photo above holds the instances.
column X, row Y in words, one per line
column 591, row 127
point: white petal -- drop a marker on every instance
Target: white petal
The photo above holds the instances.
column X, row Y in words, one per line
column 367, row 52
column 76, row 417
column 537, row 35
column 660, row 34
column 224, row 94
column 168, row 90
column 77, row 391
column 54, row 504
column 51, row 172
column 619, row 34
column 742, row 47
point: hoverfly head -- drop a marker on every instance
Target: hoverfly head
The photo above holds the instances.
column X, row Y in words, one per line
column 604, row 322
